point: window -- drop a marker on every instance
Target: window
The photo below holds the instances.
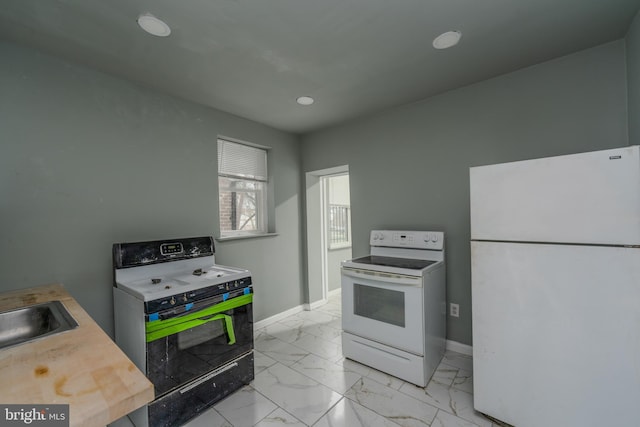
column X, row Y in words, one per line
column 242, row 185
column 337, row 202
column 339, row 232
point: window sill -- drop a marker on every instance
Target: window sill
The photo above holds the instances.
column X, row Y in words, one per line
column 244, row 237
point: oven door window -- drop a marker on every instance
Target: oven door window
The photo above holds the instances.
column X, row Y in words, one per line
column 215, row 328
column 388, row 310
column 380, row 304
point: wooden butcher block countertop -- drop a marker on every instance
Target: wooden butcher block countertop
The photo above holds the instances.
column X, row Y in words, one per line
column 82, row 367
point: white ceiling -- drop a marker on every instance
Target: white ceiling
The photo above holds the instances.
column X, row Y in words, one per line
column 253, row 58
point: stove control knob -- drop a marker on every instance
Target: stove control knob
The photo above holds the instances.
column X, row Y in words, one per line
column 173, row 301
column 381, row 236
column 434, row 237
column 375, row 236
column 427, row 237
column 184, row 298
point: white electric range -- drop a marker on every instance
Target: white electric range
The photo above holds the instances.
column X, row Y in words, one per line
column 393, row 304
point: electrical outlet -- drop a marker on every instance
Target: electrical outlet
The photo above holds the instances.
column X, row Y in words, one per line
column 454, row 310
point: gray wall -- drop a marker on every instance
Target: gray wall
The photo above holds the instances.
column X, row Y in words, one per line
column 408, row 166
column 81, row 154
column 633, row 76
column 87, row 160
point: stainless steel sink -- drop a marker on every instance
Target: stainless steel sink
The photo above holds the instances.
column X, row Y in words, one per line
column 34, row 322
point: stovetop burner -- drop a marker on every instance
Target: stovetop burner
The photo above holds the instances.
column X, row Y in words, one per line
column 213, row 272
column 175, row 278
column 154, row 285
column 183, row 268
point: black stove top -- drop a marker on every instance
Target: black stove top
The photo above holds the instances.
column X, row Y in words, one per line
column 413, row 264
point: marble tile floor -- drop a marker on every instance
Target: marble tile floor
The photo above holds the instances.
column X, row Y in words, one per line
column 301, row 379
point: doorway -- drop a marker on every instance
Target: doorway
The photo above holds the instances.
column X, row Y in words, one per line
column 328, row 231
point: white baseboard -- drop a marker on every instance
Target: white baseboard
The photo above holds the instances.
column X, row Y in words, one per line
column 320, row 303
column 459, row 347
column 273, row 319
column 315, row 304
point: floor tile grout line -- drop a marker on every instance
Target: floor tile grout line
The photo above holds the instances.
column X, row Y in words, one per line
column 371, row 409
column 342, row 396
column 331, row 361
column 311, row 323
column 399, row 391
column 321, row 357
column 328, row 410
column 302, row 348
column 277, row 406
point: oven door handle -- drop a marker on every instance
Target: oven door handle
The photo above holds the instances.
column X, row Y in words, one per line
column 228, row 322
column 157, row 329
column 391, row 278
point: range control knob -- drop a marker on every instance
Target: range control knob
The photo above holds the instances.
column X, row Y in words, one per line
column 173, row 301
column 184, row 298
column 434, row 237
column 381, row 236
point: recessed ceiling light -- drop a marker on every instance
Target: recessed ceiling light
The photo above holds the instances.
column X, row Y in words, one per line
column 153, row 25
column 447, row 40
column 305, row 100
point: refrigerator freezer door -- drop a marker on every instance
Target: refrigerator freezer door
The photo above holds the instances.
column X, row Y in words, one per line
column 556, row 334
column 591, row 198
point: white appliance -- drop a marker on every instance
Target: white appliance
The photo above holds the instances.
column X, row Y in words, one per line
column 555, row 256
column 393, row 304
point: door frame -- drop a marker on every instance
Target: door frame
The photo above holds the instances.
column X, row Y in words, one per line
column 317, row 245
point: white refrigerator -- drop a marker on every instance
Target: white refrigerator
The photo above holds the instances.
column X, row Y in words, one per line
column 555, row 254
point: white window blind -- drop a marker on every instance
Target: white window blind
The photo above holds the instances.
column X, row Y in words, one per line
column 241, row 161
column 242, row 189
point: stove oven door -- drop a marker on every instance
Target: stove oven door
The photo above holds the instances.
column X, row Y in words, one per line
column 384, row 307
column 183, row 348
